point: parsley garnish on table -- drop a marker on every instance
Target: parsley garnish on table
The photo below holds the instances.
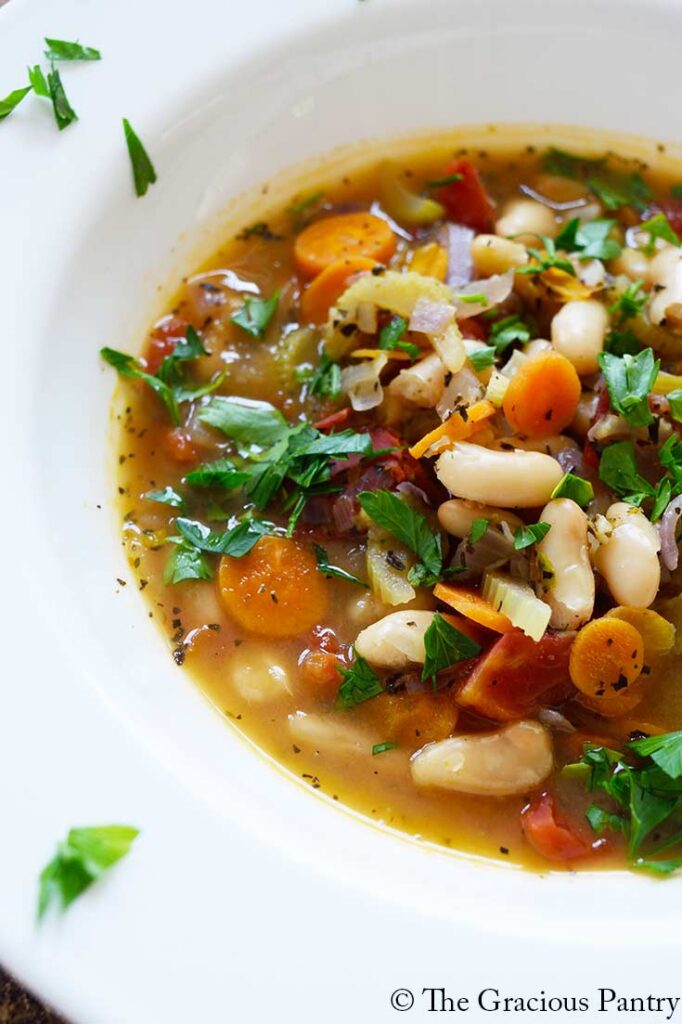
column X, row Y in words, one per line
column 80, row 860
column 144, row 173
column 644, row 784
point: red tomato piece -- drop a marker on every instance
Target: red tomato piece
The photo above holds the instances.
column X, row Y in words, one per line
column 163, row 340
column 466, row 201
column 334, row 420
column 512, row 679
column 549, row 838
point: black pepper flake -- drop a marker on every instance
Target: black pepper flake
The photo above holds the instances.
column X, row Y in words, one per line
column 609, row 641
column 176, row 623
column 646, row 670
column 296, row 750
column 348, row 329
column 378, row 270
column 394, row 560
column 621, row 684
column 273, row 597
column 179, row 655
column 504, row 850
column 143, row 584
column 215, row 626
column 548, row 415
column 121, row 582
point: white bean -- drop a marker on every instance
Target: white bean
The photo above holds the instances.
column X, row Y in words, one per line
column 551, row 445
column 634, row 263
column 537, row 347
column 328, row 734
column 258, row 675
column 458, row 516
column 578, row 332
column 524, row 220
column 628, row 559
column 421, row 384
column 491, row 254
column 585, row 412
column 515, row 479
column 511, row 760
column 564, row 551
column 395, row 641
column 665, row 274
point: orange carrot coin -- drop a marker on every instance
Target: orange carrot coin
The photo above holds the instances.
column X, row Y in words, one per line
column 348, row 234
column 542, row 396
column 324, row 290
column 606, row 658
column 472, row 606
column 274, row 590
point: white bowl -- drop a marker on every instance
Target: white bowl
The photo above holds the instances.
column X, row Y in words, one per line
column 246, row 897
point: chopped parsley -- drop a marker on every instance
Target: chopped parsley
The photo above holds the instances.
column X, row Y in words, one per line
column 64, row 114
column 325, row 381
column 449, row 179
column 305, row 204
column 658, row 226
column 220, row 473
column 255, row 315
column 629, row 380
column 509, row 329
column 675, row 403
column 360, row 683
column 618, row 470
column 525, row 536
column 622, row 343
column 546, row 260
column 612, row 188
column 236, row 542
column 444, row 646
column 60, row 49
column 186, row 562
column 144, row 173
column 482, row 358
column 381, row 748
column 329, row 570
column 411, row 528
column 168, row 496
column 80, row 860
column 38, row 81
column 10, row 102
column 128, row 366
column 574, row 487
column 391, row 335
column 591, row 240
column 478, row 530
column 629, row 303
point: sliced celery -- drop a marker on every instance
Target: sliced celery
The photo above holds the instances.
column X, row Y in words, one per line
column 517, row 601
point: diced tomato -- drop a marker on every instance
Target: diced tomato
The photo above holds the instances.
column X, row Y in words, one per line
column 590, row 455
column 671, row 207
column 544, row 833
column 513, row 678
column 163, row 340
column 178, row 445
column 466, row 201
column 473, row 329
column 334, row 420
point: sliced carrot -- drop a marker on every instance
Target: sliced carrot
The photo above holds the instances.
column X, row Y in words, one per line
column 275, row 589
column 431, row 260
column 658, row 635
column 542, row 396
column 455, row 427
column 606, row 658
column 472, row 606
column 565, row 285
column 324, row 290
column 346, row 235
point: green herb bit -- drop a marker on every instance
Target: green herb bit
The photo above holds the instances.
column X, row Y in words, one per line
column 38, row 81
column 618, row 191
column 621, row 343
column 478, row 530
column 591, row 240
column 472, row 298
column 168, row 496
column 629, row 380
column 482, row 358
column 658, row 227
column 81, row 859
column 236, row 542
column 255, row 315
column 574, row 487
column 676, row 191
column 12, row 101
column 60, row 49
column 629, row 303
column 144, row 173
column 325, row 381
column 444, row 646
column 449, row 179
column 618, row 470
column 508, row 330
column 64, row 114
column 675, row 403
column 547, row 260
column 220, row 473
column 381, row 748
column 411, row 528
column 186, row 562
column 329, row 570
column 525, row 536
column 360, row 683
column 662, row 496
column 129, row 367
column 570, row 165
column 305, row 204
column 244, row 421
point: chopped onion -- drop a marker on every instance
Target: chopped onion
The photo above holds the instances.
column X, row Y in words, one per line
column 463, row 388
column 450, row 347
column 571, row 460
column 430, row 317
column 497, row 388
column 592, row 273
column 457, row 240
column 362, row 385
column 495, row 289
column 366, row 317
column 667, row 531
column 492, row 551
column 555, row 720
column 608, row 426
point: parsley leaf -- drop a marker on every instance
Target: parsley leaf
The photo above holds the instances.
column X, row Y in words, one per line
column 506, row 331
column 60, row 49
column 64, row 114
column 236, row 542
column 220, row 473
column 621, row 343
column 256, row 314
column 665, row 751
column 629, row 380
column 303, row 205
column 167, row 496
column 618, row 470
column 570, row 165
column 391, row 335
column 144, row 173
column 591, row 240
column 481, row 358
column 658, row 226
column 81, row 858
column 524, row 536
column 129, row 367
column 389, row 511
column 186, row 562
column 10, row 102
column 360, row 683
column 444, row 646
column 546, row 260
column 662, row 496
column 449, row 179
column 629, row 303
column 675, row 401
column 574, row 487
column 245, row 421
column 381, row 748
column 38, row 81
column 479, row 528
column 334, row 570
column 326, row 378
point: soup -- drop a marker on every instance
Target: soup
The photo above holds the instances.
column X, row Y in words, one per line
column 400, row 474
